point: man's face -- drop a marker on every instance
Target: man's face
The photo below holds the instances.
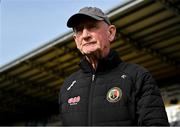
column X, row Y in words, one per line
column 93, row 37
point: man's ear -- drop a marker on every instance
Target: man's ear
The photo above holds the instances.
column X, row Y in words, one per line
column 74, row 36
column 75, row 39
column 112, row 32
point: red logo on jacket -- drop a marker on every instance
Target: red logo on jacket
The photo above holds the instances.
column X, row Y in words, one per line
column 74, row 100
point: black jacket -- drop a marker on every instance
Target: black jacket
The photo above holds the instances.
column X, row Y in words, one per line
column 117, row 93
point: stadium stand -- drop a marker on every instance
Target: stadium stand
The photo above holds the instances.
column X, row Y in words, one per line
column 148, row 34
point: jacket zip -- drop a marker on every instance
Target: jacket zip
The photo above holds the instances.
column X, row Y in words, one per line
column 91, row 100
column 93, row 77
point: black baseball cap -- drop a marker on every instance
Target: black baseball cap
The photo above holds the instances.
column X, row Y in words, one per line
column 92, row 12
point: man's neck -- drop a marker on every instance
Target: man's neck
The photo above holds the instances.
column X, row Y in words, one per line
column 94, row 58
column 93, row 61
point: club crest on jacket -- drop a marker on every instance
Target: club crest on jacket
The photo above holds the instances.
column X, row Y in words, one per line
column 114, row 94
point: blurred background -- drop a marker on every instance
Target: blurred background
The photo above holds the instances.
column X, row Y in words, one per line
column 37, row 52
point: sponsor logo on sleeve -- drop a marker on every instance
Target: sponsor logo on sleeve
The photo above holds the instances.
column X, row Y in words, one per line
column 74, row 100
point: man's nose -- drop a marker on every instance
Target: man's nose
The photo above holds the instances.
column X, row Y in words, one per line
column 85, row 33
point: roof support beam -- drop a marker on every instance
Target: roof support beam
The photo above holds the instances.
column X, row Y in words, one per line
column 143, row 18
column 67, row 49
column 34, row 65
column 164, row 58
column 171, row 6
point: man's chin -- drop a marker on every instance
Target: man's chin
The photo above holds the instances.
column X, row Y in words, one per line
column 89, row 52
column 95, row 53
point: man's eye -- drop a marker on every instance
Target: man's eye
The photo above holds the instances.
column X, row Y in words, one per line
column 78, row 29
column 92, row 26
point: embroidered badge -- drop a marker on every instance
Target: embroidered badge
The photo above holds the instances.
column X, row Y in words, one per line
column 114, row 94
column 74, row 100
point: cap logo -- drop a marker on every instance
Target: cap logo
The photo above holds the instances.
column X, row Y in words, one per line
column 114, row 94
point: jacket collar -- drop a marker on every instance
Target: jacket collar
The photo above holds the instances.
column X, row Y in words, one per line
column 105, row 64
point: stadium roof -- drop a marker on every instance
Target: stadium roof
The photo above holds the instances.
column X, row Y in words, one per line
column 148, row 34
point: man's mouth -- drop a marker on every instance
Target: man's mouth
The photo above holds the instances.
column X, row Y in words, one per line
column 89, row 43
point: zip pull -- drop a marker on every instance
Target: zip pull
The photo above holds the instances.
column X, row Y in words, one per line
column 93, row 77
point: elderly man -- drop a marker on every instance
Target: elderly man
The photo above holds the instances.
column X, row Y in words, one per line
column 106, row 90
